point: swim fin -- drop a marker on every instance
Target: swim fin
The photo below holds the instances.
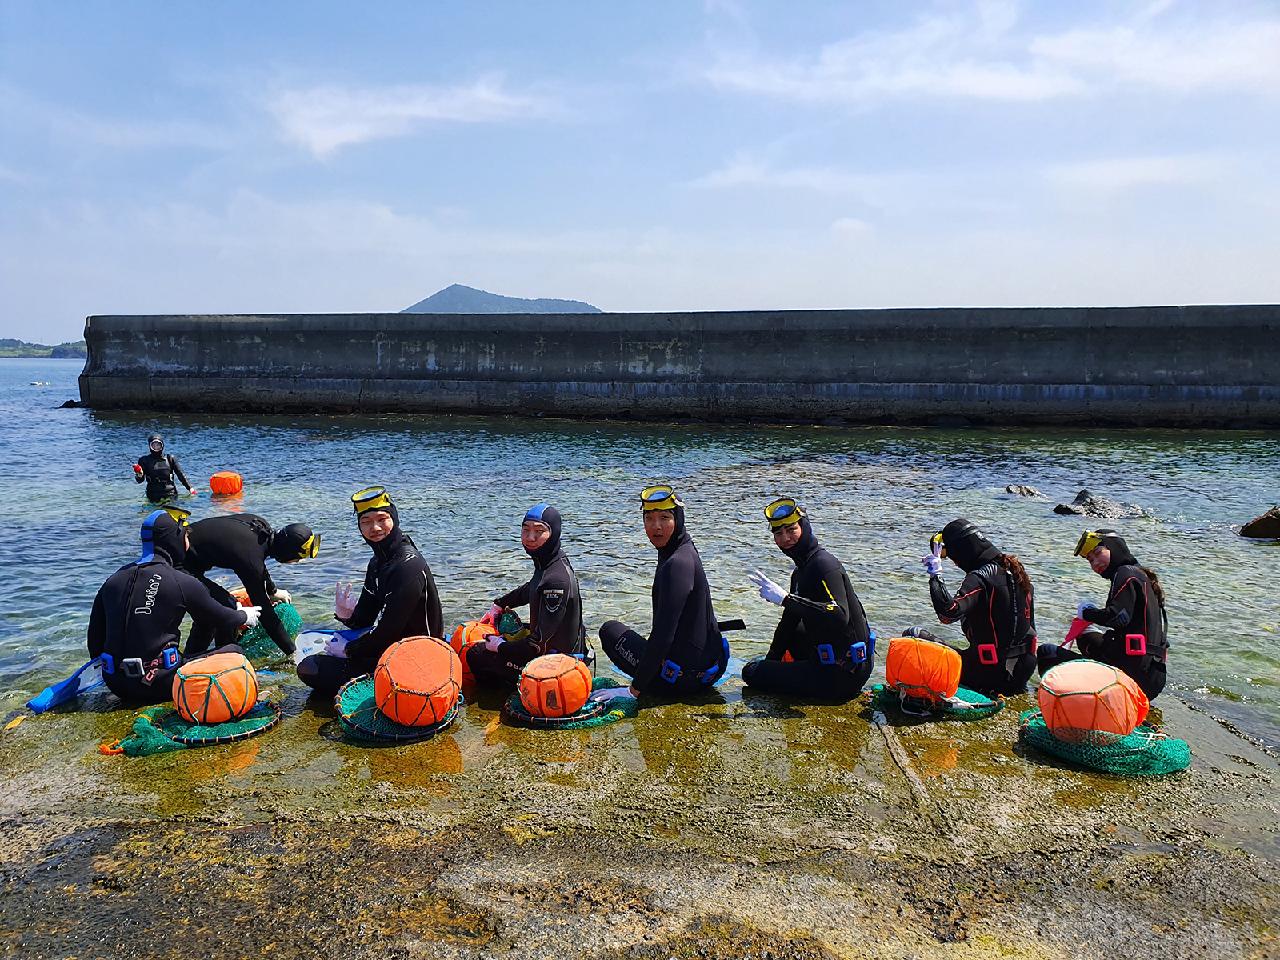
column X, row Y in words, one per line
column 86, row 678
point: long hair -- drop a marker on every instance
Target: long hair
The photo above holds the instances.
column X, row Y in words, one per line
column 1155, row 585
column 1019, row 573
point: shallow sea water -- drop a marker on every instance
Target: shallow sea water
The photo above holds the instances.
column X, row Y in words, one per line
column 70, row 512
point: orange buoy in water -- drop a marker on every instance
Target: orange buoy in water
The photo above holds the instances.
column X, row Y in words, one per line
column 417, row 681
column 215, row 689
column 1084, row 701
column 226, row 483
column 554, row 685
column 922, row 668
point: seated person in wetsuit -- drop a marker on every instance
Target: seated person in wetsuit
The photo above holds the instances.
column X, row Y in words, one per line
column 137, row 614
column 1133, row 626
column 241, row 543
column 553, row 599
column 157, row 469
column 398, row 600
column 685, row 651
column 823, row 625
column 994, row 607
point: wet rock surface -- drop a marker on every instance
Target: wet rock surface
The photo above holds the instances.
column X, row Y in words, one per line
column 1022, row 490
column 1087, row 504
column 1265, row 527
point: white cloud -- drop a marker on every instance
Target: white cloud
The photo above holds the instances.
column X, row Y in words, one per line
column 748, row 172
column 327, row 117
column 1114, row 174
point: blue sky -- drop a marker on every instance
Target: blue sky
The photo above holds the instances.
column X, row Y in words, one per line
column 282, row 157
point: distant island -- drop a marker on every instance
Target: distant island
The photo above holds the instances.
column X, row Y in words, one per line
column 63, row 351
column 459, row 299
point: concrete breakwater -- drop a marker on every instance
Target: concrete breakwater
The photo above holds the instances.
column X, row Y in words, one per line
column 1185, row 366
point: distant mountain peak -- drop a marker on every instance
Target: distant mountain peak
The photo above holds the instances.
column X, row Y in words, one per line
column 458, row 298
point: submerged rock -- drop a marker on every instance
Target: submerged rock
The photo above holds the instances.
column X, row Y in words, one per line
column 1265, row 527
column 1087, row 505
column 1022, row 490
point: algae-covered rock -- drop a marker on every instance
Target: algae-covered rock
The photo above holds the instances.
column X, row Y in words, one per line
column 1022, row 490
column 1265, row 527
column 1087, row 504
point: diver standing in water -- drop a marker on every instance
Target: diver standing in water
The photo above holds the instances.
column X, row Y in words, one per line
column 135, row 623
column 157, row 469
column 241, row 543
column 1132, row 629
column 398, row 600
column 823, row 626
column 554, row 601
column 685, row 651
column 994, row 607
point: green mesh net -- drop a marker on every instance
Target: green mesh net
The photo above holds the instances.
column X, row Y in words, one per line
column 256, row 643
column 1144, row 753
column 363, row 721
column 965, row 705
column 162, row 729
column 595, row 713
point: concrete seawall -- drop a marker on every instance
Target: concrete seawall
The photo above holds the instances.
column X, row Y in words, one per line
column 1190, row 366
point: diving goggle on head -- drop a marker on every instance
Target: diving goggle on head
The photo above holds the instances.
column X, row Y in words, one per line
column 181, row 517
column 370, row 498
column 1089, row 541
column 660, row 496
column 783, row 512
column 310, row 547
column 936, row 541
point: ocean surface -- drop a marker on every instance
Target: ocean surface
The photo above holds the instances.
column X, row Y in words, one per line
column 70, row 512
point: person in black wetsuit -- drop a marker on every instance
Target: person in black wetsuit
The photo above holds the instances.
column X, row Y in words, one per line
column 134, row 625
column 994, row 607
column 241, row 543
column 1133, row 634
column 157, row 469
column 823, row 626
column 554, row 601
column 685, row 651
column 398, row 600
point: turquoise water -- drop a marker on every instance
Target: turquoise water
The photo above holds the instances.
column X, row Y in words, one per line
column 71, row 511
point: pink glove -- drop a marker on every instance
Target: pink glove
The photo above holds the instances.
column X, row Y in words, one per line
column 494, row 613
column 493, row 643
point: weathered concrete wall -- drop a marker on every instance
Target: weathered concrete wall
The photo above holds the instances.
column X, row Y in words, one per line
column 1199, row 365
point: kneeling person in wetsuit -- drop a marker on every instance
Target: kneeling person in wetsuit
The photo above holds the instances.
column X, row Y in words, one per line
column 137, row 614
column 994, row 607
column 1133, row 634
column 157, row 469
column 241, row 543
column 685, row 651
column 823, row 625
column 553, row 599
column 398, row 600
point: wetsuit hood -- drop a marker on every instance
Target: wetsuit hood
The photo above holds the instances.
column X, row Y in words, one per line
column 289, row 543
column 679, row 535
column 162, row 539
column 1121, row 556
column 549, row 515
column 155, row 438
column 800, row 551
column 388, row 546
column 967, row 546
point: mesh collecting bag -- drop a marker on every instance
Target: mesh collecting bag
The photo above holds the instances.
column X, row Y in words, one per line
column 162, row 729
column 1144, row 753
column 258, row 645
column 594, row 713
column 361, row 719
column 965, row 705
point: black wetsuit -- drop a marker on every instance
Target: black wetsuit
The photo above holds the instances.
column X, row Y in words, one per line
column 1132, row 608
column 158, row 470
column 823, row 627
column 399, row 596
column 685, row 633
column 555, row 614
column 240, row 543
column 138, row 614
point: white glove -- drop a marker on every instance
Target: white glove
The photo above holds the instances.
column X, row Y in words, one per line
column 335, row 646
column 251, row 615
column 191, row 492
column 1082, row 606
column 768, row 589
column 933, row 562
column 284, row 596
column 492, row 616
column 344, row 604
column 493, row 643
column 610, row 693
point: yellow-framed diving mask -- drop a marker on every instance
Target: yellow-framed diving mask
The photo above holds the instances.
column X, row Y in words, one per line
column 1089, row 541
column 936, row 541
column 181, row 515
column 783, row 512
column 310, row 547
column 370, row 498
column 659, row 496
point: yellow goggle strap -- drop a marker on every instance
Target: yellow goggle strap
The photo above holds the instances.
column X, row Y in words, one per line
column 310, row 547
column 1089, row 541
column 936, row 540
column 660, row 496
column 783, row 512
column 179, row 514
column 370, row 498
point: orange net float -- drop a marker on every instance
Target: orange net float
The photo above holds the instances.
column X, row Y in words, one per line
column 417, row 681
column 554, row 685
column 1084, row 701
column 215, row 689
column 226, row 483
column 922, row 669
column 469, row 632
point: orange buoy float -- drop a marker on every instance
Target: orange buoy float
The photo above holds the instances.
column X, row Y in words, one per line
column 554, row 685
column 417, row 681
column 226, row 483
column 1084, row 701
column 215, row 689
column 923, row 669
column 465, row 636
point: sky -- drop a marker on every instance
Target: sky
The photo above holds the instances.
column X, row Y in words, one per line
column 184, row 157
